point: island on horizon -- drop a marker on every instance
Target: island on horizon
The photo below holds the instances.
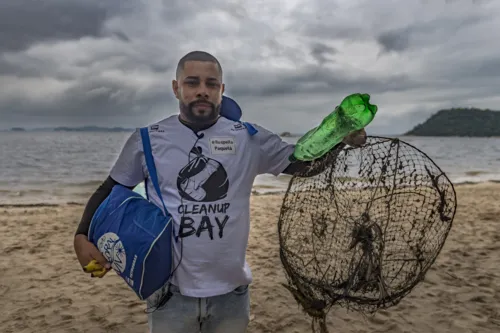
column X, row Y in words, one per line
column 74, row 129
column 91, row 129
column 471, row 122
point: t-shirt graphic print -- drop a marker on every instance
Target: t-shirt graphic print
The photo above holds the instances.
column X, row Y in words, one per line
column 203, row 179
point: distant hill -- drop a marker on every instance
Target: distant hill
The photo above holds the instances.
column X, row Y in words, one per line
column 70, row 129
column 460, row 122
column 92, row 129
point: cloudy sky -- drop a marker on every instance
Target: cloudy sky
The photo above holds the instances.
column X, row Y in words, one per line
column 287, row 63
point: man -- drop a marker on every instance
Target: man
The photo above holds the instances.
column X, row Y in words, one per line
column 206, row 167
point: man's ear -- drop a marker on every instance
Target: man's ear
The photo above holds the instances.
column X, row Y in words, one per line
column 175, row 88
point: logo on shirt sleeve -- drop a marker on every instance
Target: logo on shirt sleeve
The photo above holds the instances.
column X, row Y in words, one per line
column 238, row 127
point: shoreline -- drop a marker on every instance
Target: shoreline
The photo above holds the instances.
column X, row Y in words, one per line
column 253, row 194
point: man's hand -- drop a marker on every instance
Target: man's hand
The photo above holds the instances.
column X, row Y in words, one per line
column 356, row 139
column 86, row 252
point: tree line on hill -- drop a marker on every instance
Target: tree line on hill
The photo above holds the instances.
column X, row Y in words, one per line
column 472, row 122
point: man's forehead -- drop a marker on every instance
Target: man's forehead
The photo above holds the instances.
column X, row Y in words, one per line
column 201, row 69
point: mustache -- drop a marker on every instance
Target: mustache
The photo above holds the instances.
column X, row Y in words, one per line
column 193, row 103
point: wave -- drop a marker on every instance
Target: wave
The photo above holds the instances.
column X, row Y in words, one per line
column 79, row 192
column 475, row 178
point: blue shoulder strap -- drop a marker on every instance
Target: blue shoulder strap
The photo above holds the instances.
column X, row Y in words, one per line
column 231, row 110
column 150, row 163
column 250, row 128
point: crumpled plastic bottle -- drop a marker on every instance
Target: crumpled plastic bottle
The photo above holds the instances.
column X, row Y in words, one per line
column 354, row 113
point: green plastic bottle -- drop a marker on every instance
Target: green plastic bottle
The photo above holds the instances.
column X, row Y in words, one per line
column 354, row 113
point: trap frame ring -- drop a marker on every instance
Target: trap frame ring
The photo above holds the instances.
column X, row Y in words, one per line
column 293, row 277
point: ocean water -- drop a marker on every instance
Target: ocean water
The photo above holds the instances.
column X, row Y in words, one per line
column 55, row 167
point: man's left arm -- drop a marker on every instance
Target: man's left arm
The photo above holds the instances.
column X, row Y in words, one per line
column 275, row 154
column 313, row 168
column 305, row 168
column 308, row 169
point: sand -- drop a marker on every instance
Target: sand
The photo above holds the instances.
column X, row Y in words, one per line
column 43, row 289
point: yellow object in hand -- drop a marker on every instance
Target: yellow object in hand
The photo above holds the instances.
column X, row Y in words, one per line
column 95, row 269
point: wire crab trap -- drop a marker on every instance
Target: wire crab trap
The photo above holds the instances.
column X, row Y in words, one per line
column 363, row 231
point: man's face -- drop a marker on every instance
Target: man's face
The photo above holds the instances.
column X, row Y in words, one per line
column 199, row 90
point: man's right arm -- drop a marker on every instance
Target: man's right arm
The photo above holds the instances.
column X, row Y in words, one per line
column 128, row 171
column 95, row 200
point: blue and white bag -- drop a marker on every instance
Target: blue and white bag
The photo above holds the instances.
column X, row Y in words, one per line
column 134, row 235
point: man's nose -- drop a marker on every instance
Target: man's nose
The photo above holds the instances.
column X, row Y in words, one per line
column 202, row 90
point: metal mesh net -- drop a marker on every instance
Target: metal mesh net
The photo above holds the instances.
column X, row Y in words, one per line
column 363, row 232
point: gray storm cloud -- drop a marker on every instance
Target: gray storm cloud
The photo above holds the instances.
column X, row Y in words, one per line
column 111, row 62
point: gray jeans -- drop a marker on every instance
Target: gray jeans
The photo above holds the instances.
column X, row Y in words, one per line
column 228, row 313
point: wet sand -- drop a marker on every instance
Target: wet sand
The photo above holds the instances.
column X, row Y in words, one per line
column 43, row 289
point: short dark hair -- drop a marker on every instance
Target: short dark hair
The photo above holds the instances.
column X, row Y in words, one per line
column 196, row 56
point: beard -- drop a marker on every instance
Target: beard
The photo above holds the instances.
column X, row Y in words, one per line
column 203, row 116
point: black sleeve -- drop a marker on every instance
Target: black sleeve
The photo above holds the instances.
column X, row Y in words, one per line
column 307, row 169
column 311, row 168
column 95, row 200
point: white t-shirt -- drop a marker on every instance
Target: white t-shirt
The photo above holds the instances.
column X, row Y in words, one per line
column 206, row 180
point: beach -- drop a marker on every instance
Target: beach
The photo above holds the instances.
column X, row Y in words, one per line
column 43, row 288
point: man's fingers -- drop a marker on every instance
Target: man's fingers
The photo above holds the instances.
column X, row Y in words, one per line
column 356, row 138
column 91, row 260
column 100, row 258
column 93, row 266
column 99, row 274
column 95, row 269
